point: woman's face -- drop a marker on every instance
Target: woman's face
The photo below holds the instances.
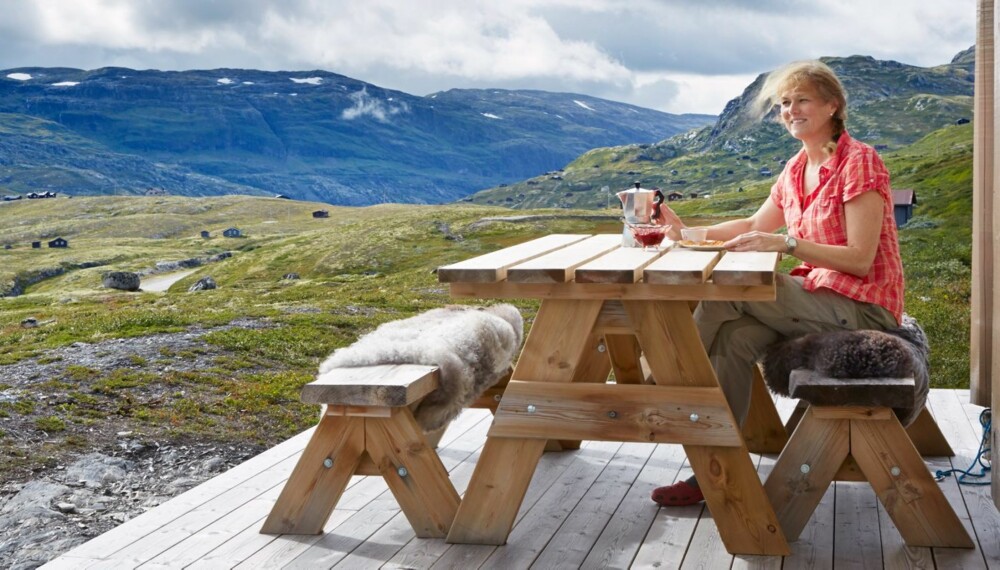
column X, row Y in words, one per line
column 806, row 115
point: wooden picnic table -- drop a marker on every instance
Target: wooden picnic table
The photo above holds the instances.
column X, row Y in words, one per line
column 602, row 306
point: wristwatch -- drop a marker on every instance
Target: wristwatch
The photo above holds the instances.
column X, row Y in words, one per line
column 791, row 243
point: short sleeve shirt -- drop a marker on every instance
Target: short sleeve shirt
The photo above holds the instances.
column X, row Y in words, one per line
column 855, row 168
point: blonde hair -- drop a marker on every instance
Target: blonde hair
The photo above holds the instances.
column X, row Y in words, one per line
column 815, row 74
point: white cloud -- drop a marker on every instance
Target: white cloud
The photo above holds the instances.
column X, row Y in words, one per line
column 366, row 105
column 674, row 55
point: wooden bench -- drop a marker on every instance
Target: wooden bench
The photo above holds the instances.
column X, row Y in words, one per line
column 838, row 427
column 368, row 429
column 764, row 432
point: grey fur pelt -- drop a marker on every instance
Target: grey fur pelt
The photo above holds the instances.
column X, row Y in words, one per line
column 896, row 353
column 473, row 347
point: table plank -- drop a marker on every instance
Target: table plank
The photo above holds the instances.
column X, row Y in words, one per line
column 558, row 266
column 682, row 267
column 622, row 265
column 493, row 266
column 746, row 268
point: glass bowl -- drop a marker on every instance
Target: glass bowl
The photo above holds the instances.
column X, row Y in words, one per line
column 648, row 235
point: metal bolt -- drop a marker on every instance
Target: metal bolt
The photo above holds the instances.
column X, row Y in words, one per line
column 402, row 472
column 328, row 463
column 601, row 347
column 531, row 408
column 612, row 414
column 895, row 471
column 694, row 417
column 496, row 397
column 805, row 468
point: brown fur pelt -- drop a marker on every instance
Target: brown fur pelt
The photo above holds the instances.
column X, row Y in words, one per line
column 472, row 346
column 896, row 353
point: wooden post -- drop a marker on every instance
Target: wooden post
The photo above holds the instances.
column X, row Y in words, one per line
column 985, row 371
column 983, row 342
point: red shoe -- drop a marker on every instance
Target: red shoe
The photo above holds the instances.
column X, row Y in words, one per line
column 679, row 494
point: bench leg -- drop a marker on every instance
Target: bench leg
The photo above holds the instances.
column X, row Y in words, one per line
column 762, row 429
column 413, row 472
column 805, row 470
column 905, row 487
column 313, row 489
column 927, row 436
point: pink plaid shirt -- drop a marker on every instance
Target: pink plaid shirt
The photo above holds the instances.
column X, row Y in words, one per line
column 854, row 168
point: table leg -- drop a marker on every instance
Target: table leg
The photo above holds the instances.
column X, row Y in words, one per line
column 552, row 352
column 625, row 353
column 762, row 429
column 594, row 366
column 732, row 489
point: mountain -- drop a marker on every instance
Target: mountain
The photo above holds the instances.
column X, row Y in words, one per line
column 890, row 105
column 309, row 135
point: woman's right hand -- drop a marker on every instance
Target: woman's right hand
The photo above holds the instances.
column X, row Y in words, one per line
column 668, row 217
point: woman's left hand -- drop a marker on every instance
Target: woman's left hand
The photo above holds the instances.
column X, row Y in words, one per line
column 757, row 241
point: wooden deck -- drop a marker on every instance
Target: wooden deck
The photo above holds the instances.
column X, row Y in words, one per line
column 588, row 508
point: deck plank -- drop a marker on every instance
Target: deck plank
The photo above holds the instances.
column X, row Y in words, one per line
column 424, row 553
column 619, row 542
column 543, row 519
column 574, row 540
column 964, row 440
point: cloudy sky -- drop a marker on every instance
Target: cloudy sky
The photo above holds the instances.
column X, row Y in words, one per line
column 673, row 55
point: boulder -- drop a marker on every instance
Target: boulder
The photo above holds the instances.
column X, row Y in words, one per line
column 124, row 280
column 204, row 283
column 290, row 276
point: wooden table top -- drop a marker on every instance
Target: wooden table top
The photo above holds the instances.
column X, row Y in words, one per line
column 597, row 266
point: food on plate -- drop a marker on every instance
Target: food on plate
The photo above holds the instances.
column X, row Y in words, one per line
column 703, row 243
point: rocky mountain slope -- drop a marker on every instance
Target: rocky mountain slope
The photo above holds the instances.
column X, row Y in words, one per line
column 890, row 105
column 311, row 135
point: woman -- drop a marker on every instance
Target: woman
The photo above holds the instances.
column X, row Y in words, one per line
column 834, row 199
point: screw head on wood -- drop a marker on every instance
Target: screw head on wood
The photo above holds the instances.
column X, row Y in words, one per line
column 601, row 347
column 612, row 414
column 328, row 463
column 694, row 417
column 805, row 468
column 402, row 472
column 895, row 471
column 531, row 408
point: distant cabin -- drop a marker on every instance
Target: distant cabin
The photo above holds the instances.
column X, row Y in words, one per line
column 232, row 233
column 765, row 171
column 321, row 214
column 902, row 205
column 59, row 242
column 8, row 246
column 205, row 234
column 674, row 196
column 36, row 245
column 694, row 195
